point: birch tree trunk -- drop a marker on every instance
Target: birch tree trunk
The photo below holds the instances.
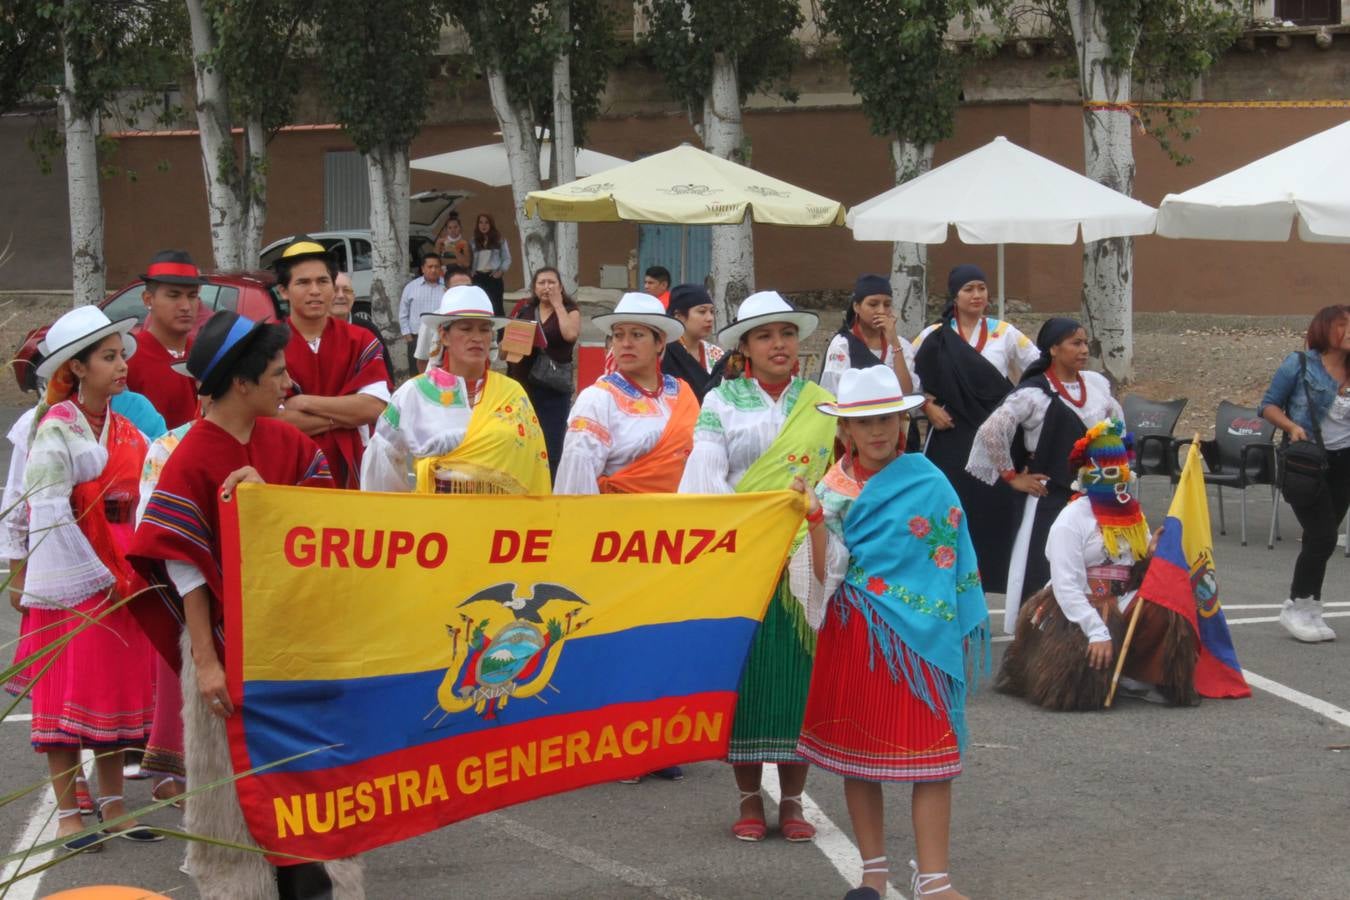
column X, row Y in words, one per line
column 1108, row 266
column 522, row 156
column 224, row 209
column 909, row 262
column 387, row 172
column 564, row 145
column 86, row 202
column 255, row 191
column 733, row 246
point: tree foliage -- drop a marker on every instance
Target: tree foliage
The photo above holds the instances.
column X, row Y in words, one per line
column 757, row 35
column 377, row 63
column 901, row 65
column 262, row 54
column 520, row 39
column 1165, row 45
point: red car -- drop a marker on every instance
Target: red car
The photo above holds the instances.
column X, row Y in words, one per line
column 249, row 294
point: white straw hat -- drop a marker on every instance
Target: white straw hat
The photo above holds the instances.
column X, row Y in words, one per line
column 874, row 391
column 461, row 303
column 82, row 327
column 765, row 308
column 637, row 308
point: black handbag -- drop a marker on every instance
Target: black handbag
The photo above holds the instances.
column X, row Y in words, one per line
column 545, row 372
column 1303, row 471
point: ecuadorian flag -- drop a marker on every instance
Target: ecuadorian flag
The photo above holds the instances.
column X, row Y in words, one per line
column 1182, row 577
column 450, row 655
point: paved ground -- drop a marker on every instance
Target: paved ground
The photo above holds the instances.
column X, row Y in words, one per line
column 1234, row 799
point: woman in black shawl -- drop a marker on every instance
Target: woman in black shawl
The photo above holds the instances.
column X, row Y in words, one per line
column 868, row 338
column 964, row 362
column 692, row 358
column 1052, row 407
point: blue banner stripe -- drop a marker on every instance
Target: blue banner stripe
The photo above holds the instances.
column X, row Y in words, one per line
column 385, row 713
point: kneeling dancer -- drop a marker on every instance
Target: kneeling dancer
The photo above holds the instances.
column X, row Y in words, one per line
column 906, row 628
column 1068, row 633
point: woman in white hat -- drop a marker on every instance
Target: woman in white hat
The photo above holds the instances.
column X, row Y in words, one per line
column 631, row 431
column 80, row 483
column 891, row 568
column 459, row 427
column 757, row 432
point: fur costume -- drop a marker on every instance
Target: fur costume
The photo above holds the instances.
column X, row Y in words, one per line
column 222, row 873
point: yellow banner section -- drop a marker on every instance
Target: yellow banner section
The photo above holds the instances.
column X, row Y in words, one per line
column 432, row 571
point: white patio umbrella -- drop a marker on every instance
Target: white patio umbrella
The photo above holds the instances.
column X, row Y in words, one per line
column 1000, row 194
column 1305, row 183
column 488, row 163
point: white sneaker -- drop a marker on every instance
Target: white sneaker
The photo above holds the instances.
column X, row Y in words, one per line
column 1323, row 628
column 1297, row 619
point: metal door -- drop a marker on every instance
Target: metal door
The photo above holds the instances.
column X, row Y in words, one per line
column 686, row 250
column 346, row 191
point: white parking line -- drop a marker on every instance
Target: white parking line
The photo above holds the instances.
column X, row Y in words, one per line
column 41, row 827
column 590, row 859
column 19, row 717
column 1308, row 702
column 836, row 846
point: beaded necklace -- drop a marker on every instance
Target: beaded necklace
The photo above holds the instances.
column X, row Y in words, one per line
column 1059, row 388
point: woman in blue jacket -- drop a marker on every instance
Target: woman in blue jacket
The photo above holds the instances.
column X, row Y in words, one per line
column 1309, row 399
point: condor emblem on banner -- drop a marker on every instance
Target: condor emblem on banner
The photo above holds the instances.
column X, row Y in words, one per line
column 520, row 657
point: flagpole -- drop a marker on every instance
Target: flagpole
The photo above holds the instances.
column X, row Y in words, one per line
column 1124, row 648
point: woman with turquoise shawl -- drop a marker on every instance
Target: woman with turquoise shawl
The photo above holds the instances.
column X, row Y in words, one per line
column 892, row 571
column 758, row 431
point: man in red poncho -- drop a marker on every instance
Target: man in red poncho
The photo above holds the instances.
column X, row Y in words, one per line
column 241, row 366
column 340, row 383
column 172, row 283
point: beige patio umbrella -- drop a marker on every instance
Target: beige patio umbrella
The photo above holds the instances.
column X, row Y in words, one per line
column 683, row 186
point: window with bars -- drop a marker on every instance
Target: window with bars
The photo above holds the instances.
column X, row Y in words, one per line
column 1309, row 12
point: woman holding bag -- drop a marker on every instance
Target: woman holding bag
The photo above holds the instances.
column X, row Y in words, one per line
column 548, row 373
column 1309, row 399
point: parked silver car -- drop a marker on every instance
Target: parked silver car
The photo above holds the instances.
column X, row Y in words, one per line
column 428, row 213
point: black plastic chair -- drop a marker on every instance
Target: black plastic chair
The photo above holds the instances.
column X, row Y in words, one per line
column 1242, row 454
column 1152, row 423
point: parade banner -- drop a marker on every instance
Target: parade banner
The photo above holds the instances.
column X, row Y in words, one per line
column 458, row 654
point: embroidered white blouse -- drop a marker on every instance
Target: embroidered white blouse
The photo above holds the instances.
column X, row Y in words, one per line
column 738, row 423
column 991, row 454
column 13, row 507
column 611, row 424
column 837, row 491
column 63, row 568
column 1075, row 543
column 837, row 362
column 427, row 416
column 1003, row 346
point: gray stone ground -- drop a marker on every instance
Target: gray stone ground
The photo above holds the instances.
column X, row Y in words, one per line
column 1234, row 799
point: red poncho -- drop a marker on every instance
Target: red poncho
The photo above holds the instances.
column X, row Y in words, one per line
column 182, row 519
column 349, row 359
column 174, row 396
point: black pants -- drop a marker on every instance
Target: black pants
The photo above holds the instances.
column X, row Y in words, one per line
column 1321, row 521
column 495, row 288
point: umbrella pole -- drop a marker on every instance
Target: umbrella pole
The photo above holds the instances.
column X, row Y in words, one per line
column 1000, row 283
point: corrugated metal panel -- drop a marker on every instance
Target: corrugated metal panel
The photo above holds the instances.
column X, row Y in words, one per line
column 688, row 256
column 346, row 192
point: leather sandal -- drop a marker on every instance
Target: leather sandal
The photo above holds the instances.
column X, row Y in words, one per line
column 797, row 830
column 175, row 800
column 870, row 867
column 88, row 843
column 83, row 799
column 750, row 828
column 139, row 834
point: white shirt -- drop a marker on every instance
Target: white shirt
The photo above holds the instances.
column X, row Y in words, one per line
column 738, row 423
column 419, row 296
column 837, row 362
column 427, row 416
column 991, row 453
column 611, row 424
column 1073, row 544
column 1004, row 345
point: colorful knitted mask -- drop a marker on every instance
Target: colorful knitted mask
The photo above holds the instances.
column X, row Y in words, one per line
column 1103, row 457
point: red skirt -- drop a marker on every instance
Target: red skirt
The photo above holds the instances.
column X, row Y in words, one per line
column 98, row 692
column 863, row 723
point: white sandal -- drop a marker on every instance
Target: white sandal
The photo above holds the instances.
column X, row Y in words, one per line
column 876, row 866
column 926, row 884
